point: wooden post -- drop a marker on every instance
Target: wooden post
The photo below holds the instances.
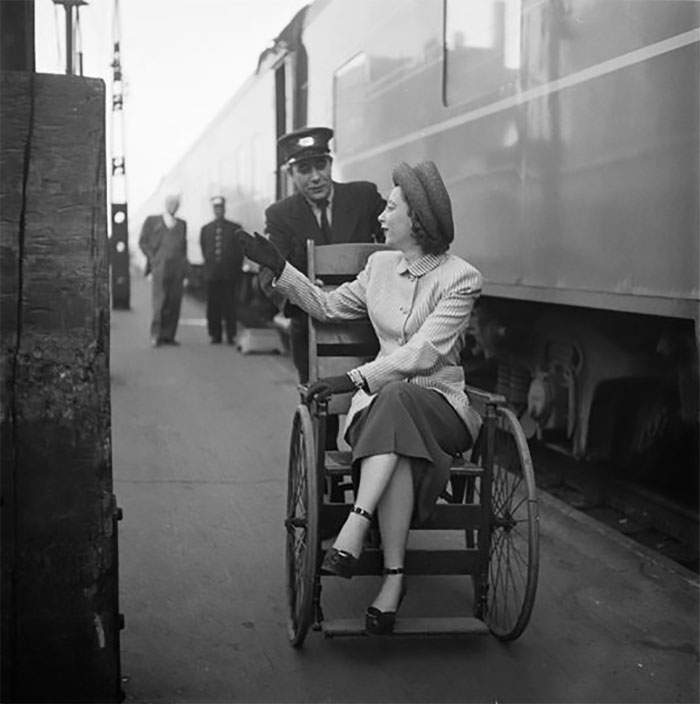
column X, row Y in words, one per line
column 17, row 35
column 60, row 620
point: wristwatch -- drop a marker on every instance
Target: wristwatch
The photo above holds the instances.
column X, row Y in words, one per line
column 357, row 379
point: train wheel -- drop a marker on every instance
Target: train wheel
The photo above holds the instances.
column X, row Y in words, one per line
column 302, row 526
column 514, row 545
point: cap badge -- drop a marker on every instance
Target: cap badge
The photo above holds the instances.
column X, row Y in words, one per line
column 306, row 142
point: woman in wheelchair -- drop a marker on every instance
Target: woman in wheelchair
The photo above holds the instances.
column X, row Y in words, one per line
column 410, row 415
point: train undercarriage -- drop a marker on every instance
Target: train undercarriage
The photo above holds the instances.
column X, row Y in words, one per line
column 613, row 395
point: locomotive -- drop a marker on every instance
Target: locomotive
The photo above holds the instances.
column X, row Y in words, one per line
column 567, row 132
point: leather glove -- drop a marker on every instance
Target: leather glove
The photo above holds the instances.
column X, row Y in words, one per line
column 323, row 389
column 260, row 250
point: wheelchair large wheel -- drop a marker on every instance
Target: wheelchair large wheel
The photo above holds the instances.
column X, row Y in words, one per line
column 302, row 526
column 514, row 540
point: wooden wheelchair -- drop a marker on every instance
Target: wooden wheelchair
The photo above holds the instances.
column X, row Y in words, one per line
column 491, row 495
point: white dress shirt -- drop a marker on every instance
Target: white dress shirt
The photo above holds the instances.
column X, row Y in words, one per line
column 317, row 211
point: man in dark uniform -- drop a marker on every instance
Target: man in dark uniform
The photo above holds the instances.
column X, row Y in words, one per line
column 223, row 258
column 323, row 210
column 164, row 242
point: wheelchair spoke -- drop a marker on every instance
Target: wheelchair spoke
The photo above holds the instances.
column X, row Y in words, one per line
column 508, row 576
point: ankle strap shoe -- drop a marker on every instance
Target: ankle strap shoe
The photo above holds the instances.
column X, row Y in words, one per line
column 382, row 623
column 340, row 562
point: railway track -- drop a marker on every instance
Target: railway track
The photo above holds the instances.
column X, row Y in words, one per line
column 650, row 518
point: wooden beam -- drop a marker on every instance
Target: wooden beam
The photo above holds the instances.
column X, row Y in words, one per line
column 60, row 620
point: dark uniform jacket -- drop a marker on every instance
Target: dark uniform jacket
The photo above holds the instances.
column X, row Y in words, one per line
column 165, row 250
column 356, row 207
column 223, row 258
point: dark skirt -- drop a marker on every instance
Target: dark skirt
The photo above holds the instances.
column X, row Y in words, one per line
column 413, row 422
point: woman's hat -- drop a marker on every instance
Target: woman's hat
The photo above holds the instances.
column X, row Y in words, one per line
column 426, row 194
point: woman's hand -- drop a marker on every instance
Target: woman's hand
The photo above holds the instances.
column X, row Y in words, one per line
column 323, row 389
column 263, row 252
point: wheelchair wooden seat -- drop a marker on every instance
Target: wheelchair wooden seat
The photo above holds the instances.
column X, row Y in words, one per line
column 491, row 495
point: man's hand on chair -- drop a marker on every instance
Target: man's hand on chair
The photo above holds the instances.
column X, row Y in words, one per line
column 323, row 389
column 263, row 252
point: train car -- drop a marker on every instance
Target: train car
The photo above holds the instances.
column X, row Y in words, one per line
column 568, row 134
column 236, row 155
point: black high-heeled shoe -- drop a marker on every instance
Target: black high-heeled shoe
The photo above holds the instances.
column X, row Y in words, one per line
column 381, row 623
column 340, row 562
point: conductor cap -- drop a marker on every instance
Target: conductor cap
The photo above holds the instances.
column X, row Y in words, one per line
column 306, row 143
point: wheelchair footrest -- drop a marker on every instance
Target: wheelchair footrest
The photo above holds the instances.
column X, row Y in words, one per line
column 410, row 626
column 339, row 462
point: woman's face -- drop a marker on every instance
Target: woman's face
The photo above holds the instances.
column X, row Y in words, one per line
column 396, row 222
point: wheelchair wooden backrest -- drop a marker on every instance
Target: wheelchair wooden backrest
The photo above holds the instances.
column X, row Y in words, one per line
column 335, row 348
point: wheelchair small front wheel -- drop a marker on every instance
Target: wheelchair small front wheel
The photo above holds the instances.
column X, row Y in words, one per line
column 302, row 545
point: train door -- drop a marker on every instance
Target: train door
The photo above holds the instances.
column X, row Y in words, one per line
column 291, row 88
column 282, row 188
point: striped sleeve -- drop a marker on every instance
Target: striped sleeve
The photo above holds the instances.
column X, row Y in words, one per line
column 435, row 339
column 347, row 302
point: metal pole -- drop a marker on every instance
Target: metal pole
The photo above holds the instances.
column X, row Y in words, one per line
column 69, row 39
column 68, row 6
column 78, row 43
column 119, row 251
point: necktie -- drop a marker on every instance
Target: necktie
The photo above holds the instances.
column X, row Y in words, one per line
column 325, row 225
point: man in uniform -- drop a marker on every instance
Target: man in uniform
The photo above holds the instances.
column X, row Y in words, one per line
column 323, row 210
column 164, row 242
column 223, row 258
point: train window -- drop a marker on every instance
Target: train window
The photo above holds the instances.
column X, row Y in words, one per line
column 349, row 96
column 482, row 49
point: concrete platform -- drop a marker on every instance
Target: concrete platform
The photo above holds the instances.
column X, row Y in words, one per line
column 200, row 436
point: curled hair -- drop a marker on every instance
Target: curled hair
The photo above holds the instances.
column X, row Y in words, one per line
column 428, row 242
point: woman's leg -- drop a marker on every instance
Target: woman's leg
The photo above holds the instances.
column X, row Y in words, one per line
column 395, row 511
column 375, row 474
